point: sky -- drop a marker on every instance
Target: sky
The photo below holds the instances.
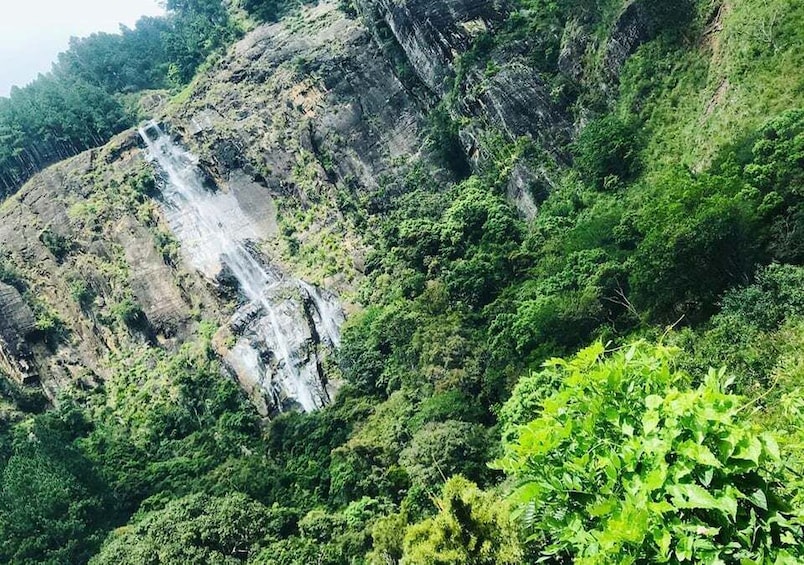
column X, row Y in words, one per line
column 34, row 32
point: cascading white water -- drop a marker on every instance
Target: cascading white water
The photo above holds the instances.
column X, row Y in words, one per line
column 214, row 232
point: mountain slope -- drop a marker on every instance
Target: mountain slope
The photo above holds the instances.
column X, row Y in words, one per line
column 482, row 187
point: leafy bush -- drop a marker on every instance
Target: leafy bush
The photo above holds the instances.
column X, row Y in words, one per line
column 374, row 353
column 49, row 327
column 776, row 295
column 444, row 140
column 607, row 151
column 439, row 450
column 164, row 421
column 625, row 460
column 81, row 292
column 272, row 10
column 699, row 238
column 194, row 529
column 777, row 171
column 746, row 335
column 472, row 527
column 53, row 506
column 58, row 245
column 27, row 398
column 11, row 276
column 131, row 314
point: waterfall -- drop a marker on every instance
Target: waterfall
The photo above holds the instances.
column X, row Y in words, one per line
column 284, row 320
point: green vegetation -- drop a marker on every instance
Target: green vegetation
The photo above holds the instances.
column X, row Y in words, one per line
column 272, row 10
column 625, row 459
column 476, row 425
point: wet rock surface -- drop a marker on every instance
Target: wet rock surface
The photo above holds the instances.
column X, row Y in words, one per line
column 289, row 323
column 284, row 327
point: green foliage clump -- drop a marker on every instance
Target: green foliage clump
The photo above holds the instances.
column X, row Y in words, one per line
column 625, row 459
column 81, row 292
column 273, row 10
column 373, row 355
column 444, row 140
column 58, row 245
column 699, row 237
column 367, row 464
column 10, row 275
column 49, row 327
column 440, row 450
column 165, row 421
column 195, row 529
column 200, row 27
column 168, row 246
column 607, row 152
column 28, row 399
column 472, row 527
column 776, row 171
column 752, row 331
column 130, row 314
column 52, row 501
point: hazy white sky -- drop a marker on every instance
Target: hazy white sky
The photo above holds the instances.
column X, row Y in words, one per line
column 33, row 32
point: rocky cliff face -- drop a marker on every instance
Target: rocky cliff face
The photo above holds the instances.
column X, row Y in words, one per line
column 433, row 34
column 298, row 122
column 296, row 113
column 16, row 324
column 498, row 93
column 83, row 240
column 639, row 22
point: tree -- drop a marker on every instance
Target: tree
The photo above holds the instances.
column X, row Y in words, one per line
column 441, row 449
column 471, row 527
column 608, row 150
column 53, row 506
column 194, row 529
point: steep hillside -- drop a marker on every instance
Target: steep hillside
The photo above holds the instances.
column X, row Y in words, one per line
column 355, row 268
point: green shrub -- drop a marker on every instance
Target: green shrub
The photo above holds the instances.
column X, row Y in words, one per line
column 472, row 527
column 81, row 292
column 699, row 238
column 439, row 450
column 49, row 327
column 11, row 276
column 443, row 138
column 168, row 246
column 58, row 245
column 607, row 151
column 143, row 182
column 777, row 171
column 131, row 314
column 625, row 463
column 273, row 10
column 53, row 506
column 748, row 334
column 193, row 529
